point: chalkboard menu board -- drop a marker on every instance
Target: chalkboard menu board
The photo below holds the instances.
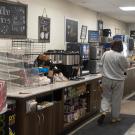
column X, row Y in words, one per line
column 13, row 20
column 44, row 29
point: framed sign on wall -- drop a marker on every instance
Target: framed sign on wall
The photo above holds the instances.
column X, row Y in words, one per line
column 83, row 32
column 99, row 25
column 71, row 33
column 44, row 29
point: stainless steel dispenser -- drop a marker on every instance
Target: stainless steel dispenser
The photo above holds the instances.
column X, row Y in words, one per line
column 55, row 55
column 96, row 52
column 83, row 50
column 71, row 58
column 95, row 66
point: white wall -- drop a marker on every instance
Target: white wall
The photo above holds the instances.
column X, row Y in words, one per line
column 122, row 28
column 57, row 10
column 131, row 27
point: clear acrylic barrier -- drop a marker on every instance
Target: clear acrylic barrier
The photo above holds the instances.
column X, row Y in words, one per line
column 18, row 70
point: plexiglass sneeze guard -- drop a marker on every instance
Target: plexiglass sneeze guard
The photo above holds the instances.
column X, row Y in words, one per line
column 17, row 70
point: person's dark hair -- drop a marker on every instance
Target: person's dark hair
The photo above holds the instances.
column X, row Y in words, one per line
column 117, row 46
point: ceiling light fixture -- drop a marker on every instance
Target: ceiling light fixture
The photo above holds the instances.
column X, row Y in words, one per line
column 127, row 8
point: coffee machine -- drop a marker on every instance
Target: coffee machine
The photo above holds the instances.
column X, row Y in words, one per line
column 65, row 61
column 83, row 49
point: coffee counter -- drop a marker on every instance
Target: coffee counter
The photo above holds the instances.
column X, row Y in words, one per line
column 53, row 120
column 22, row 92
column 18, row 92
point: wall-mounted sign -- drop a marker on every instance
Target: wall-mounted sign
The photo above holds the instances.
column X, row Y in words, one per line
column 132, row 34
column 13, row 20
column 83, row 32
column 44, row 29
column 99, row 25
column 71, row 30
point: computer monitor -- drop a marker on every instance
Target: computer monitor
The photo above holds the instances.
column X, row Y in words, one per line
column 93, row 36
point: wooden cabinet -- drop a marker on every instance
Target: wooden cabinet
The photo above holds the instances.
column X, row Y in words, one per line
column 33, row 123
column 94, row 98
column 50, row 120
column 129, row 82
column 45, row 122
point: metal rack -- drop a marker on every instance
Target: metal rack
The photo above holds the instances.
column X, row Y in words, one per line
column 30, row 48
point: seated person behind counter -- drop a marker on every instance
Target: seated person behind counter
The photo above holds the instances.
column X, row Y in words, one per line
column 43, row 61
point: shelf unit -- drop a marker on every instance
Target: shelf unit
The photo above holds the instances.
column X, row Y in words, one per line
column 75, row 105
column 31, row 48
column 92, row 94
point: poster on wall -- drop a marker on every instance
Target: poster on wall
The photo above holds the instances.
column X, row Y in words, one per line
column 83, row 32
column 71, row 30
column 44, row 29
column 99, row 25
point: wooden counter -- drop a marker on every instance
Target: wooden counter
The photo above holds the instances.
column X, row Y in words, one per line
column 17, row 92
column 50, row 120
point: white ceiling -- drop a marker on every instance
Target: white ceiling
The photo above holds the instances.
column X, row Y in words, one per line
column 110, row 8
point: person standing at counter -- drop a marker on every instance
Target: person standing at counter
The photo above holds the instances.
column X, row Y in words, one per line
column 114, row 66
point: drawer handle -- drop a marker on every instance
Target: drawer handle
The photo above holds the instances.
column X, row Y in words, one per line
column 43, row 117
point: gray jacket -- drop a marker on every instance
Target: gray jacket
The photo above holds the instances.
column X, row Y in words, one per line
column 114, row 64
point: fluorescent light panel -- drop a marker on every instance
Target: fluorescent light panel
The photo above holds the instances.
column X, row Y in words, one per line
column 127, row 8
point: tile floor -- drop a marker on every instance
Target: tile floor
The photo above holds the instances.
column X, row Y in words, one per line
column 127, row 107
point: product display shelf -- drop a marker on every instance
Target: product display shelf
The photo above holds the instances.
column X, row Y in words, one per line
column 77, row 122
column 75, row 104
column 79, row 95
